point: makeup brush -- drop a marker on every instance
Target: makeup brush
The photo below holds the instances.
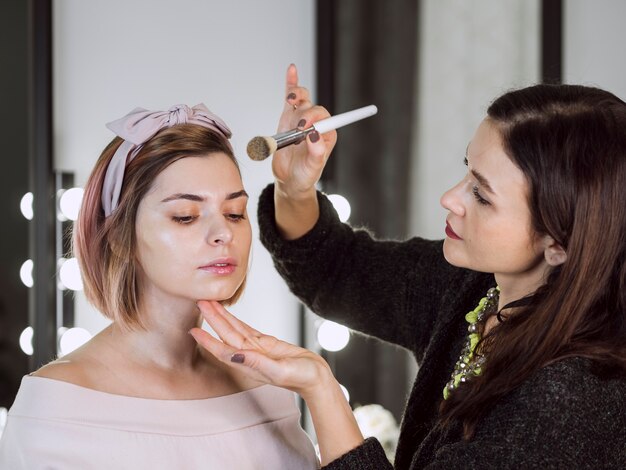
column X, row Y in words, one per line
column 259, row 148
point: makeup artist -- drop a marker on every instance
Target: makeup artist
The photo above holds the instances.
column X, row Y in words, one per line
column 517, row 319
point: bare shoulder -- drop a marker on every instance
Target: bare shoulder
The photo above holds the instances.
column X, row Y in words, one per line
column 76, row 367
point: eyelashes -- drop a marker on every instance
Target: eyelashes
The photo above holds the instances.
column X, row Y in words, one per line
column 481, row 200
column 478, row 197
column 188, row 219
column 184, row 220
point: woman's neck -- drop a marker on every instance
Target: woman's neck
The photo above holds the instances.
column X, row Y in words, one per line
column 164, row 343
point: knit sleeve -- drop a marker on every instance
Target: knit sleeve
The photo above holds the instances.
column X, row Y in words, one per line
column 368, row 456
column 563, row 417
column 387, row 289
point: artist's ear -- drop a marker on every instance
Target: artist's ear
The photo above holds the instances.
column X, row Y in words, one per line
column 554, row 253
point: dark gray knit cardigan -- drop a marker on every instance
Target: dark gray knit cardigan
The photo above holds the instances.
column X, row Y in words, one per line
column 407, row 294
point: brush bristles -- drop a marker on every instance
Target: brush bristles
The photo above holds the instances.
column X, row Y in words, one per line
column 260, row 148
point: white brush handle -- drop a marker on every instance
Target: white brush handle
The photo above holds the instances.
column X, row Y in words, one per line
column 343, row 119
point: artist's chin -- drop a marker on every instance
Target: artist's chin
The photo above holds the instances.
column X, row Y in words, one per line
column 452, row 255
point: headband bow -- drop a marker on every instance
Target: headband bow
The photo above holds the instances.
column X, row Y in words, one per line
column 137, row 128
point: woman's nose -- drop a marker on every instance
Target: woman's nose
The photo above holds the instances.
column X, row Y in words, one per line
column 219, row 233
column 453, row 201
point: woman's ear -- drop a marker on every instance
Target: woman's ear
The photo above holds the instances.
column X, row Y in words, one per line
column 553, row 252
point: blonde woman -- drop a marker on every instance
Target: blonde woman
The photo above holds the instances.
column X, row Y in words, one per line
column 163, row 224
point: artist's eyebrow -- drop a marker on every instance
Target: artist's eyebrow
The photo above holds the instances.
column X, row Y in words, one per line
column 481, row 179
column 196, row 198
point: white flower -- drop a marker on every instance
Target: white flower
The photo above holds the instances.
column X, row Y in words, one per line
column 376, row 421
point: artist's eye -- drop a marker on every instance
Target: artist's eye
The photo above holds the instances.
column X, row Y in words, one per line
column 185, row 219
column 479, row 198
column 465, row 162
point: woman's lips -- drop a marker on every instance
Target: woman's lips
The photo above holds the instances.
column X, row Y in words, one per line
column 220, row 267
column 450, row 233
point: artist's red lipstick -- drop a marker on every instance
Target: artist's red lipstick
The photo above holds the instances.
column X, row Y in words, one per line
column 450, row 233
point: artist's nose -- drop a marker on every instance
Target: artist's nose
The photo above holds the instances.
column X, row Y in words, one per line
column 452, row 199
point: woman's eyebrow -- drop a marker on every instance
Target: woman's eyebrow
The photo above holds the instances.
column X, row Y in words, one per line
column 197, row 198
column 187, row 196
column 237, row 194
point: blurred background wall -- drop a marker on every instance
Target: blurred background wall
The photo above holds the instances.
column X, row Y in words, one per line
column 432, row 67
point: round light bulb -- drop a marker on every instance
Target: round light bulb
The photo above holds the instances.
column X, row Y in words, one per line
column 70, row 202
column 73, row 338
column 341, row 205
column 69, row 273
column 26, row 205
column 26, row 340
column 26, row 273
column 333, row 336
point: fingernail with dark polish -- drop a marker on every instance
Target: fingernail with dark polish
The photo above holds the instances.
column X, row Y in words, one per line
column 291, row 96
column 238, row 358
column 314, row 136
column 301, row 122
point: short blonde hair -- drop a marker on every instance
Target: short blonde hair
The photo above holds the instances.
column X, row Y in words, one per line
column 105, row 246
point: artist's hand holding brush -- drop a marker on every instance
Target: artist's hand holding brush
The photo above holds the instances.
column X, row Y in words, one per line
column 306, row 136
column 297, row 168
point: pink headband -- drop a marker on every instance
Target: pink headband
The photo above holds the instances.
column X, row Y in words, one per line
column 137, row 128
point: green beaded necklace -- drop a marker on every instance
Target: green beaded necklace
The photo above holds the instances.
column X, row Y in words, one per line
column 469, row 362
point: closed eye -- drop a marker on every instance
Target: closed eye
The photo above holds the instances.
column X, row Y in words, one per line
column 235, row 217
column 184, row 220
column 477, row 195
column 479, row 198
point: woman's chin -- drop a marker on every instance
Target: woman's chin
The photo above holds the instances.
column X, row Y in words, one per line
column 216, row 296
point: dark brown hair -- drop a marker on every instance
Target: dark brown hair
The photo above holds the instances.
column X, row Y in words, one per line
column 106, row 246
column 570, row 143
